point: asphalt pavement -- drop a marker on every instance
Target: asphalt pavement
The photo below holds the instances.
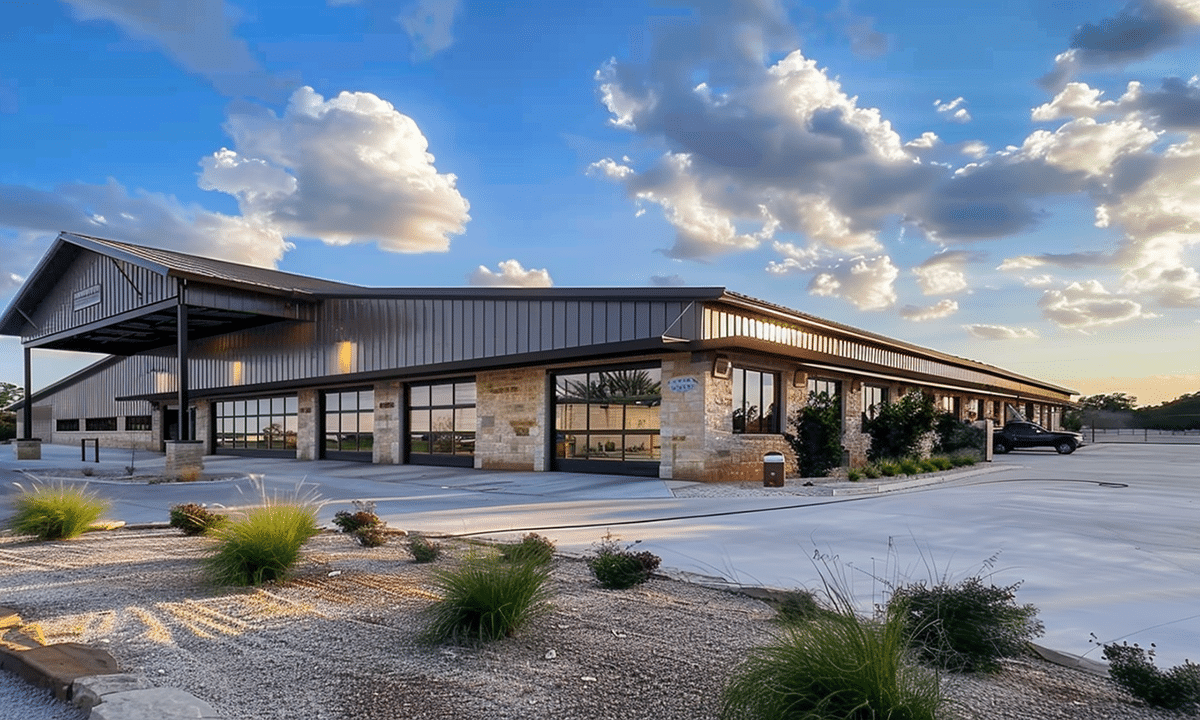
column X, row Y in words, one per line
column 1105, row 541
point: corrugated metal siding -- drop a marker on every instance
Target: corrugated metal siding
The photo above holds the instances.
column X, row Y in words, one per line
column 384, row 334
column 56, row 313
column 721, row 323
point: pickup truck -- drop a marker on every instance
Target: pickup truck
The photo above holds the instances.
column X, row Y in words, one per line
column 1015, row 435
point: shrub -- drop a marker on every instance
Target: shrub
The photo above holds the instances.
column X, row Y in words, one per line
column 943, row 463
column 889, row 468
column 967, row 626
column 897, row 428
column 262, row 544
column 486, row 600
column 1132, row 667
column 929, row 465
column 910, row 466
column 954, row 435
column 834, row 666
column 532, row 548
column 617, row 567
column 423, row 549
column 55, row 511
column 363, row 516
column 817, row 441
column 370, row 535
column 194, row 519
column 871, row 471
column 960, row 460
column 854, row 475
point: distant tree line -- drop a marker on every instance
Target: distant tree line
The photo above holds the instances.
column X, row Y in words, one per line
column 1118, row 410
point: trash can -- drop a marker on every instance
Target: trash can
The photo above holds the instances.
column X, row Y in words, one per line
column 773, row 469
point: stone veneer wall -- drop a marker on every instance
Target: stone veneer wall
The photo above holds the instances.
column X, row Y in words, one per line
column 389, row 423
column 698, row 442
column 306, row 425
column 511, row 429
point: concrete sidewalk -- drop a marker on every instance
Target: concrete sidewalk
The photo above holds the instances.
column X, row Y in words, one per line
column 1104, row 540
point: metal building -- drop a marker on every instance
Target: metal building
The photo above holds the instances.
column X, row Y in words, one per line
column 685, row 383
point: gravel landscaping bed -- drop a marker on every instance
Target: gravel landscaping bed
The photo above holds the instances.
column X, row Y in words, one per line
column 339, row 640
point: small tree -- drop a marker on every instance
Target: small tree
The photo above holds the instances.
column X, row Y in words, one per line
column 9, row 394
column 817, row 441
column 897, row 428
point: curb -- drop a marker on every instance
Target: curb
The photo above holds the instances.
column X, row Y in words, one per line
column 90, row 678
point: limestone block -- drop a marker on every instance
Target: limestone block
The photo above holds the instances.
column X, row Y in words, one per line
column 153, row 704
column 90, row 690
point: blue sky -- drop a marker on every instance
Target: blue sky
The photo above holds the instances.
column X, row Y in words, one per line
column 1015, row 182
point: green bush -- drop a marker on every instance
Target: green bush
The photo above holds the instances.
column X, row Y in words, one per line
column 370, row 535
column 486, row 599
column 929, row 465
column 617, row 567
column 817, row 441
column 423, row 549
column 261, row 545
column 835, row 666
column 854, row 475
column 871, row 471
column 363, row 516
column 962, row 459
column 531, row 548
column 954, row 435
column 943, row 463
column 55, row 511
column 897, row 428
column 194, row 519
column 889, row 468
column 966, row 626
column 1132, row 667
column 910, row 466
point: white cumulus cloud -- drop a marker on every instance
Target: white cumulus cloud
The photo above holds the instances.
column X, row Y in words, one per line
column 954, row 110
column 942, row 308
column 867, row 283
column 1080, row 306
column 999, row 332
column 943, row 274
column 351, row 169
column 510, row 273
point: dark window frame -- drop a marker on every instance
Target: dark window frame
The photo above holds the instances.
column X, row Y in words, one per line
column 139, row 423
column 755, row 423
column 100, row 424
column 350, row 440
column 632, row 448
column 230, row 414
column 870, row 409
column 422, row 446
column 65, row 425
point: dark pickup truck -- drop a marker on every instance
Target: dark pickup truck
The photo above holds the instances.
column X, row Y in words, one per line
column 1015, row 435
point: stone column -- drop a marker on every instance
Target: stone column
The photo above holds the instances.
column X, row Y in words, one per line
column 185, row 460
column 389, row 423
column 307, row 424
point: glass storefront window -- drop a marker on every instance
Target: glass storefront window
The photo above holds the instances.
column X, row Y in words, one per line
column 608, row 415
column 441, row 422
column 349, row 421
column 265, row 424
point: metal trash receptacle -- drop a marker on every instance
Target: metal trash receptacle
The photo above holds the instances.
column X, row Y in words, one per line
column 773, row 469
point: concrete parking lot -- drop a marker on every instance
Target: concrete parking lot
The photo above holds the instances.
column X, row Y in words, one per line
column 1105, row 541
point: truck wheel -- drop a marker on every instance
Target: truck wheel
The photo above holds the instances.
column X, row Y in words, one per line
column 1000, row 447
column 1065, row 447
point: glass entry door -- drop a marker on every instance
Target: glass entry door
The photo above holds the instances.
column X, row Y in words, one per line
column 349, row 424
column 607, row 420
